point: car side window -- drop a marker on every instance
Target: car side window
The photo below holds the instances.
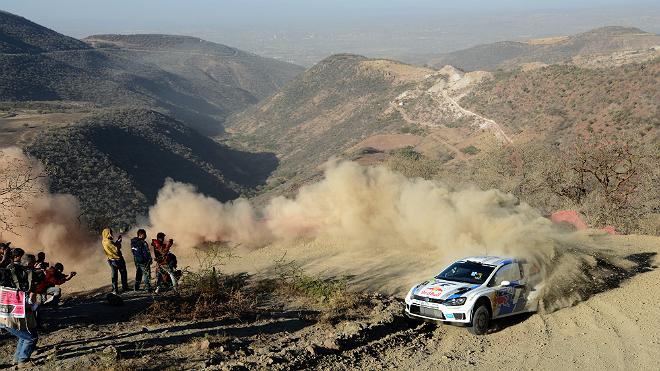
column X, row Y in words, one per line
column 509, row 272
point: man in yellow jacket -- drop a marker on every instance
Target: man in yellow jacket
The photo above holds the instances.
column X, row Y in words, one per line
column 112, row 249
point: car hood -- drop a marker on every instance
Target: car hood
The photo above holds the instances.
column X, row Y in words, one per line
column 441, row 289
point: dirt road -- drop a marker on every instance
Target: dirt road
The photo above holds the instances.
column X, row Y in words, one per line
column 614, row 329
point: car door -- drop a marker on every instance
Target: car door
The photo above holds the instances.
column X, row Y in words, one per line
column 512, row 298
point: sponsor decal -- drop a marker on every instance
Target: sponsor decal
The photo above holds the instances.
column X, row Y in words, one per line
column 432, row 292
column 504, row 301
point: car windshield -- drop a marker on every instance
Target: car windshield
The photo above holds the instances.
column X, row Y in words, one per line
column 467, row 272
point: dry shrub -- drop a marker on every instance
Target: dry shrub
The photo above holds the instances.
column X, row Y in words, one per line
column 216, row 296
column 412, row 164
column 330, row 296
column 206, row 293
column 610, row 181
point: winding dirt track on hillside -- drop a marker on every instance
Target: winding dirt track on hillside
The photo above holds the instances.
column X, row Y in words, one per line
column 490, row 124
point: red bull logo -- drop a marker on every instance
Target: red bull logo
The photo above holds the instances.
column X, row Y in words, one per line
column 502, row 299
column 432, row 291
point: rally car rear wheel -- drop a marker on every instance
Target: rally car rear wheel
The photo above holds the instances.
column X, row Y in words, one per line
column 480, row 320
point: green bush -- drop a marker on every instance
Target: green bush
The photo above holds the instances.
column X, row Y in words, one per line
column 470, row 150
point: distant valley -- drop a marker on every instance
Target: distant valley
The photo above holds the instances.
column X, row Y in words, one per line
column 130, row 111
column 137, row 109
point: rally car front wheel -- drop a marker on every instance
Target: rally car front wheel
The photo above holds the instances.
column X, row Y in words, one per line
column 480, row 320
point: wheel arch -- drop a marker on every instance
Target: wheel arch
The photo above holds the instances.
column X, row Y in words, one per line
column 483, row 300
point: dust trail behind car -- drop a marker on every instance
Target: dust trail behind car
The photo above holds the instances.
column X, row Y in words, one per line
column 390, row 231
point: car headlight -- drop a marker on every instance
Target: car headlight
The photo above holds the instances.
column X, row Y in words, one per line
column 455, row 301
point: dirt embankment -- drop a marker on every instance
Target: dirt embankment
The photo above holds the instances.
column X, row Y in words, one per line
column 616, row 329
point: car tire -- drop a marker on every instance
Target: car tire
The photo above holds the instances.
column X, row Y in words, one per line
column 480, row 320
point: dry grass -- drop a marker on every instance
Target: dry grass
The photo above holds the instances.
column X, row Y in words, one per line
column 206, row 293
column 330, row 297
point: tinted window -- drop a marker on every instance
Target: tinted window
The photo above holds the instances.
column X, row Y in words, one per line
column 467, row 272
column 509, row 272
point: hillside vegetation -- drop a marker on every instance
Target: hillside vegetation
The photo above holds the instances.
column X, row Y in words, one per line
column 115, row 163
column 19, row 35
column 51, row 66
column 322, row 112
column 562, row 101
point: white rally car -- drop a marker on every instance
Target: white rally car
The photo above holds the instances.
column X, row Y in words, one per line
column 473, row 291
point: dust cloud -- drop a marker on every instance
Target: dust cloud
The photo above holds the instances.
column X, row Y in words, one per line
column 36, row 220
column 193, row 218
column 386, row 229
column 383, row 224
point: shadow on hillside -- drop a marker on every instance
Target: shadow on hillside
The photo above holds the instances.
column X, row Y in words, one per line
column 149, row 164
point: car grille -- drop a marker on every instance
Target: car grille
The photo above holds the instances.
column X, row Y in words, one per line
column 428, row 300
column 426, row 312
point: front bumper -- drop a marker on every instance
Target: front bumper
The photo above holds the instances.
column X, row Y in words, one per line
column 437, row 312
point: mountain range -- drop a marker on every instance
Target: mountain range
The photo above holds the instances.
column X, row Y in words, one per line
column 137, row 109
column 199, row 85
column 131, row 111
column 628, row 42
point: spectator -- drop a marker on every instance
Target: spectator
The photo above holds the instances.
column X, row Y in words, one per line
column 142, row 258
column 112, row 249
column 6, row 254
column 41, row 262
column 166, row 262
column 54, row 276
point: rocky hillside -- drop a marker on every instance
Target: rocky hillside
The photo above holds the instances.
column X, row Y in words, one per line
column 66, row 69
column 594, row 43
column 116, row 162
column 562, row 101
column 347, row 103
column 460, row 126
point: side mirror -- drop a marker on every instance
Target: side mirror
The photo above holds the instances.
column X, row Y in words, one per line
column 505, row 283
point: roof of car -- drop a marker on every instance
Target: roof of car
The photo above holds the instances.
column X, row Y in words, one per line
column 489, row 260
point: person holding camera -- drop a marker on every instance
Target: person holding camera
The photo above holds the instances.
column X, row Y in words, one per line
column 166, row 263
column 53, row 276
column 41, row 263
column 112, row 249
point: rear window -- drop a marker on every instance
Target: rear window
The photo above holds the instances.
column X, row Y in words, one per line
column 466, row 272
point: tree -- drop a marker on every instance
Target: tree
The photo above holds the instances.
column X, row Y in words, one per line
column 19, row 184
column 610, row 180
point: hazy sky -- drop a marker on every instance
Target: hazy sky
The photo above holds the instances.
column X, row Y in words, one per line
column 56, row 13
column 305, row 31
